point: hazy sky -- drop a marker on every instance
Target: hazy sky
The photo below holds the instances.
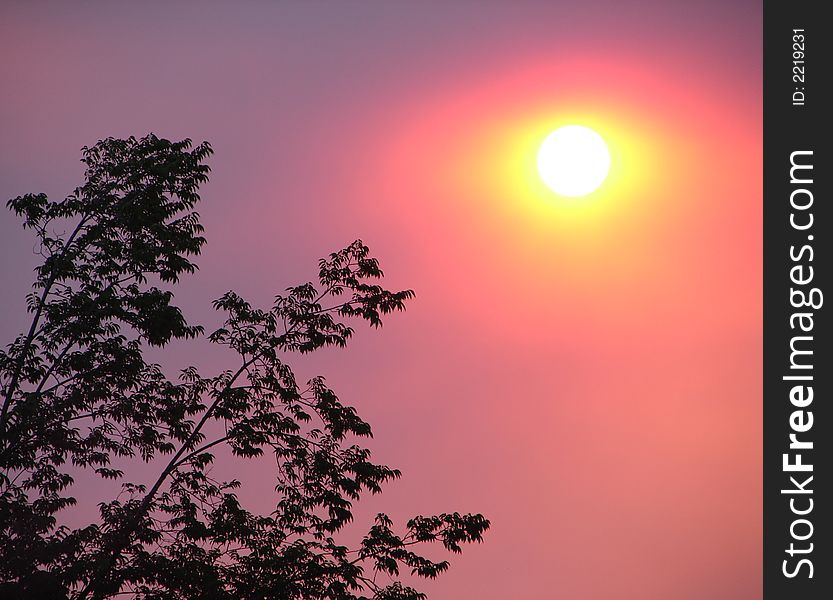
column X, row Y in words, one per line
column 587, row 375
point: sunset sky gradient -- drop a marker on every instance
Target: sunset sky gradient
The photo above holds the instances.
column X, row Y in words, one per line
column 585, row 372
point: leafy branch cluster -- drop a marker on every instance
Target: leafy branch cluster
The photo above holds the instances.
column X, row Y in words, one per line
column 78, row 395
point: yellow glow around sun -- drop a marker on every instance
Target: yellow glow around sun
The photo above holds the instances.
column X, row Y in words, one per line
column 494, row 162
column 573, row 160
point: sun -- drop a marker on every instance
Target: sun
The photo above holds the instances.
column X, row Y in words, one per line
column 573, row 160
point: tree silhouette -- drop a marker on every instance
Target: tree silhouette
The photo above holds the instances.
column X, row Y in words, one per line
column 79, row 395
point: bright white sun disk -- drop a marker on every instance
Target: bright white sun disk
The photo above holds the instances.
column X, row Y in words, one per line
column 573, row 160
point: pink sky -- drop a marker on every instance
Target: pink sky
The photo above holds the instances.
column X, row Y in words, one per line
column 591, row 384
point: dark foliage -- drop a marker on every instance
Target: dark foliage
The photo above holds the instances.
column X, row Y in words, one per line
column 78, row 395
